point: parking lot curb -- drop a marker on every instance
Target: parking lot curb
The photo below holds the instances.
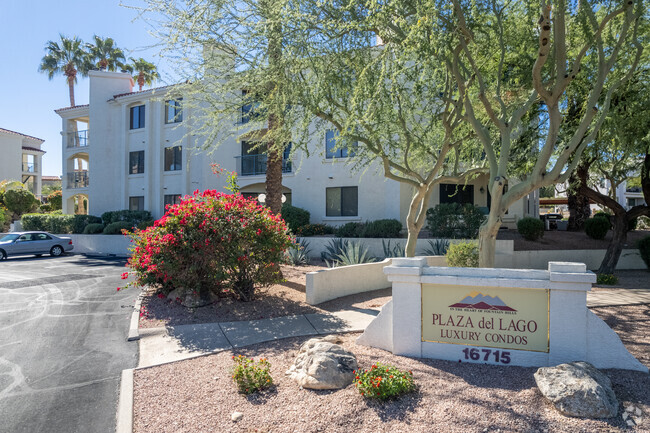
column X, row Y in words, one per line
column 125, row 404
column 134, row 333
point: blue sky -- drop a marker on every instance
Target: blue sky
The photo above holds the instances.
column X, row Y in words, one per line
column 29, row 98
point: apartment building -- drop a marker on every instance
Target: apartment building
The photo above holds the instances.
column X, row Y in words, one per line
column 132, row 150
column 21, row 159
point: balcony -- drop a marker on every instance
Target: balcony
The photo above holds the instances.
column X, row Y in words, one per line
column 77, row 179
column 77, row 139
column 253, row 165
column 29, row 167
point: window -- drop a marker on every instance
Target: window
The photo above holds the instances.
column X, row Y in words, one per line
column 136, row 203
column 171, row 199
column 248, row 109
column 137, row 117
column 173, row 158
column 452, row 193
column 173, row 111
column 42, row 237
column 136, row 162
column 342, row 201
column 331, row 151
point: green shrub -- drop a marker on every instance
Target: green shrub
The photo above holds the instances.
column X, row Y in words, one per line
column 251, row 376
column 383, row 382
column 117, row 227
column 34, row 221
column 295, row 217
column 597, row 227
column 134, row 216
column 454, row 221
column 462, row 255
column 437, row 247
column 385, row 228
column 211, row 243
column 314, row 230
column 45, row 208
column 145, row 224
column 93, row 229
column 607, row 279
column 531, row 228
column 350, row 230
column 644, row 250
column 80, row 222
column 55, row 200
column 20, row 201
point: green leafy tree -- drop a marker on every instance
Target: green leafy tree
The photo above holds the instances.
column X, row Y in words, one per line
column 498, row 93
column 145, row 72
column 67, row 58
column 55, row 200
column 20, row 201
column 105, row 54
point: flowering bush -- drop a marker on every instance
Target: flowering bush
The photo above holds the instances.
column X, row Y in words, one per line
column 251, row 376
column 383, row 382
column 211, row 242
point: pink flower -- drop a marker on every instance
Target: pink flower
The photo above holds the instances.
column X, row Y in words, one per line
column 124, row 276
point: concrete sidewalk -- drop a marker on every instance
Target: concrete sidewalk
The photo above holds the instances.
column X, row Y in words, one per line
column 175, row 343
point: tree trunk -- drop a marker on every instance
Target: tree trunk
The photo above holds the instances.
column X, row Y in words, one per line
column 615, row 247
column 487, row 241
column 274, row 179
column 141, row 80
column 579, row 209
column 71, row 90
column 415, row 219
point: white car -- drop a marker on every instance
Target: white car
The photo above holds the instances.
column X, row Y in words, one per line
column 37, row 243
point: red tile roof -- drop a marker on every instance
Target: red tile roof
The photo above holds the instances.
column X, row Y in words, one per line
column 22, row 135
column 33, row 149
column 50, row 178
column 58, row 110
column 140, row 91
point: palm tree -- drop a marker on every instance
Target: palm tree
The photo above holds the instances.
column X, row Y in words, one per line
column 105, row 54
column 68, row 58
column 146, row 71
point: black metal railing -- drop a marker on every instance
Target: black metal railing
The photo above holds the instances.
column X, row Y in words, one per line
column 29, row 167
column 78, row 179
column 251, row 165
column 78, row 138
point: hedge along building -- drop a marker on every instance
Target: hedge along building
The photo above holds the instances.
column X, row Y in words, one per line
column 133, row 150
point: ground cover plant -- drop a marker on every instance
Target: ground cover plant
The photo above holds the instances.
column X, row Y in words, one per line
column 383, row 382
column 211, row 243
column 607, row 279
column 251, row 376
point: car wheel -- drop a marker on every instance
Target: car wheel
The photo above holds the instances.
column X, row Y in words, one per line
column 56, row 251
column 3, row 255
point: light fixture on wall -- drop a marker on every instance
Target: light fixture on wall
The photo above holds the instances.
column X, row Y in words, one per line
column 482, row 190
column 330, row 176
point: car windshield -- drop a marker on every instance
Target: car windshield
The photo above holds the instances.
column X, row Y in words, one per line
column 10, row 237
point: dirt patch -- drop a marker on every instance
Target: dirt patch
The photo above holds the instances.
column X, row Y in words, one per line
column 284, row 299
column 564, row 240
column 198, row 395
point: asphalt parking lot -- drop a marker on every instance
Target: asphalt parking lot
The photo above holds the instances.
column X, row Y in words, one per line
column 63, row 329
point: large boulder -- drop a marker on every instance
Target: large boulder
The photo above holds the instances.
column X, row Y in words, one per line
column 192, row 299
column 578, row 389
column 322, row 364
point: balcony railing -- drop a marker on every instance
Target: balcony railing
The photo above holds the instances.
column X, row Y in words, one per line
column 78, row 138
column 29, row 167
column 77, row 179
column 251, row 165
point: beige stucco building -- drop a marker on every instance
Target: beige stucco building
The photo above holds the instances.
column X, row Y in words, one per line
column 21, row 159
column 132, row 150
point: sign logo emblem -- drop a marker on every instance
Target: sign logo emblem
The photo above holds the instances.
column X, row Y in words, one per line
column 478, row 301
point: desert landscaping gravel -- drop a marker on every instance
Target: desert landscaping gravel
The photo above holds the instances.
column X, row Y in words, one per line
column 198, row 395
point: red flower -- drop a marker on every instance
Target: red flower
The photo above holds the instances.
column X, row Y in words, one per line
column 124, row 275
column 118, row 289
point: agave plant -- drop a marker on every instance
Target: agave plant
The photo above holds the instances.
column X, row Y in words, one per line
column 334, row 249
column 298, row 254
column 396, row 251
column 354, row 253
column 437, row 247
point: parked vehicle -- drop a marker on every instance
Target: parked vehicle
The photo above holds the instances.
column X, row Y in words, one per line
column 37, row 243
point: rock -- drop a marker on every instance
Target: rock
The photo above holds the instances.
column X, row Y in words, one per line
column 236, row 416
column 578, row 389
column 630, row 423
column 192, row 300
column 322, row 364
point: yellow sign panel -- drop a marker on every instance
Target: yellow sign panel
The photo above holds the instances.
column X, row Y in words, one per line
column 507, row 318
